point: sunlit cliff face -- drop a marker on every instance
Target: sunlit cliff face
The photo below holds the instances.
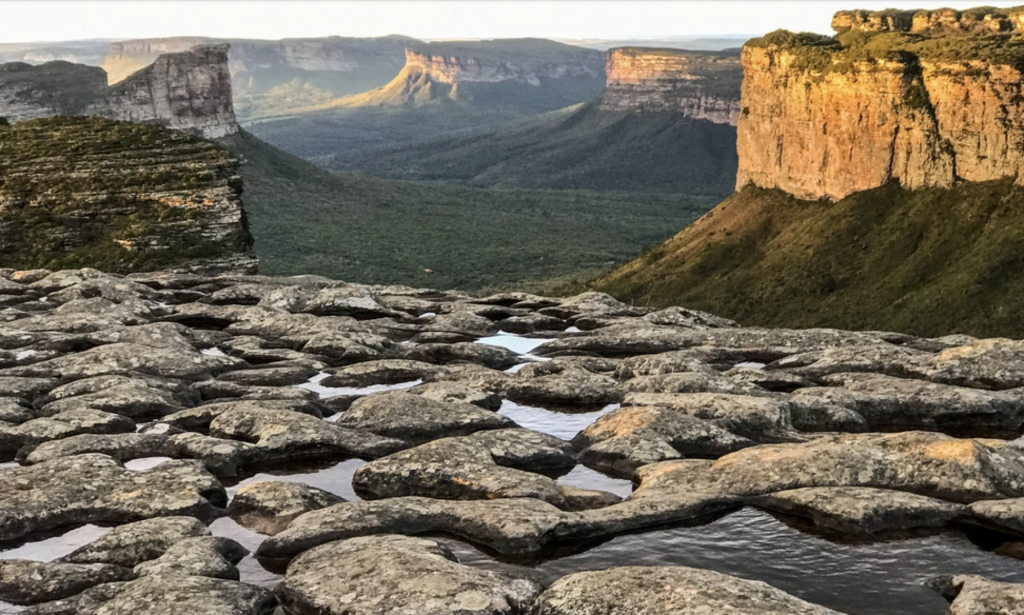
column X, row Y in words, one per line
column 830, row 117
column 699, row 85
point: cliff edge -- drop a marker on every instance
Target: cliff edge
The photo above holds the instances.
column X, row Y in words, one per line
column 702, row 85
column 189, row 90
column 923, row 98
column 123, row 197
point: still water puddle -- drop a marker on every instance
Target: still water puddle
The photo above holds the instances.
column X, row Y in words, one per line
column 57, row 546
column 336, row 479
column 559, row 424
column 583, row 477
column 516, row 343
column 884, row 578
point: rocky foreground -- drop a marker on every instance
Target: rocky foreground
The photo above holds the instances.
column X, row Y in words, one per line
column 855, row 435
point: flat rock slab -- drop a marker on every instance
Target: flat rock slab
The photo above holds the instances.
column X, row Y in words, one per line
column 167, row 595
column 974, row 595
column 900, row 404
column 384, row 371
column 30, row 582
column 861, row 511
column 268, row 507
column 94, row 488
column 468, row 468
column 201, row 556
column 285, row 436
column 925, row 463
column 417, row 419
column 133, row 543
column 383, row 575
column 1006, row 515
column 66, row 424
column 625, row 439
column 129, row 357
column 761, row 419
column 673, row 590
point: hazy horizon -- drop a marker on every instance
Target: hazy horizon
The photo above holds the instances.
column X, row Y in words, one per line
column 425, row 19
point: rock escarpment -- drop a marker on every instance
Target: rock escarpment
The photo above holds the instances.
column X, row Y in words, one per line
column 699, row 85
column 188, row 90
column 127, row 197
column 535, row 74
column 271, row 77
column 925, row 99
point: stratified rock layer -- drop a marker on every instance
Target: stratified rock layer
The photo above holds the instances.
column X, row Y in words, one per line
column 698, row 85
column 883, row 101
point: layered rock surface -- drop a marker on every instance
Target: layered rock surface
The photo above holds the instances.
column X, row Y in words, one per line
column 188, row 90
column 698, row 85
column 534, row 74
column 205, row 369
column 89, row 191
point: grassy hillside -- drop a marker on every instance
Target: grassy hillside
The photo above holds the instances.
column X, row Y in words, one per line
column 579, row 148
column 308, row 220
column 928, row 262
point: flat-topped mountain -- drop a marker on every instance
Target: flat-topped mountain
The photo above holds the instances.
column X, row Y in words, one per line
column 188, row 90
column 78, row 192
column 528, row 73
column 879, row 183
column 884, row 100
column 275, row 77
column 665, row 122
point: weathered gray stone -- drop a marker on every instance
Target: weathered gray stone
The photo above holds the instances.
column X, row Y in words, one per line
column 457, row 392
column 94, row 488
column 282, row 435
column 271, row 375
column 675, row 590
column 167, row 595
column 268, row 507
column 974, row 595
column 201, row 556
column 69, row 423
column 384, row 371
column 477, row 468
column 30, row 582
column 133, row 543
column 200, row 417
column 630, row 437
column 761, row 419
column 861, row 510
column 481, row 354
column 417, row 419
column 382, row 575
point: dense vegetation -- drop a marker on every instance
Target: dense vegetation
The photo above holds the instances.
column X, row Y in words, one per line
column 349, row 226
column 578, row 148
column 92, row 192
column 927, row 262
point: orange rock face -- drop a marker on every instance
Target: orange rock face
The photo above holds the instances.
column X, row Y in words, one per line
column 701, row 85
column 835, row 127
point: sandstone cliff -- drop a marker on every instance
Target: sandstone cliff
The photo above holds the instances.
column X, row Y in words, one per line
column 78, row 192
column 699, row 85
column 275, row 77
column 922, row 98
column 188, row 91
column 537, row 74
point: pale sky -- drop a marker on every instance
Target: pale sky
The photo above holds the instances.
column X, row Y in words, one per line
column 57, row 20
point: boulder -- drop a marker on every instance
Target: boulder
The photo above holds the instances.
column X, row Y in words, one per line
column 382, row 575
column 862, row 511
column 268, row 507
column 974, row 595
column 94, row 488
column 30, row 582
column 416, row 419
column 669, row 590
column 133, row 543
column 201, row 556
column 384, row 371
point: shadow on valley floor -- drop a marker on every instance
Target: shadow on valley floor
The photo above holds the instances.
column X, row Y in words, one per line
column 308, row 220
